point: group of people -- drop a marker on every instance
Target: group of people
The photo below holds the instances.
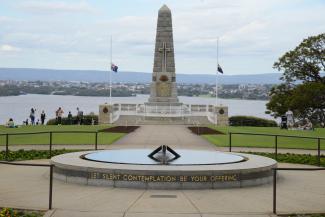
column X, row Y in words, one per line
column 33, row 120
column 287, row 122
column 32, row 116
column 59, row 114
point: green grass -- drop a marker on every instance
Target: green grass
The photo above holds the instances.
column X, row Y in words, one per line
column 266, row 141
column 293, row 158
column 58, row 138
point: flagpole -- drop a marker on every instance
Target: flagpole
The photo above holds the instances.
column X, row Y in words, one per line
column 217, row 71
column 110, row 75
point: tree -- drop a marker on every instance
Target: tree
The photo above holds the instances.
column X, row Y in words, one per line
column 279, row 102
column 308, row 101
column 303, row 90
column 305, row 62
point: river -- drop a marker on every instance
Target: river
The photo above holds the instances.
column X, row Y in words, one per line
column 18, row 107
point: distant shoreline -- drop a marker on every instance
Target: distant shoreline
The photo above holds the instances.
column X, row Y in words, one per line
column 134, row 96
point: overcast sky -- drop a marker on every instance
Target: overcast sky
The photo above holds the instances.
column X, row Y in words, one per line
column 73, row 34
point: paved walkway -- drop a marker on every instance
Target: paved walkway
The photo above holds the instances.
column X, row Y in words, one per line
column 27, row 187
column 152, row 136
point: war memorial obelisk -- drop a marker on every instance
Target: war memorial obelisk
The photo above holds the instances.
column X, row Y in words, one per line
column 163, row 105
column 163, row 87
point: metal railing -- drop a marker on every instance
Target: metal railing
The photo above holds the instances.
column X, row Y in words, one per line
column 276, row 136
column 50, row 141
column 275, row 181
column 38, row 165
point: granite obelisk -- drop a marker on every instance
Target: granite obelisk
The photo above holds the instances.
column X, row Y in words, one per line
column 163, row 86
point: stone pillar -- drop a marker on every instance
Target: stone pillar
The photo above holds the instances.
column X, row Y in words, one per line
column 221, row 113
column 105, row 113
column 163, row 86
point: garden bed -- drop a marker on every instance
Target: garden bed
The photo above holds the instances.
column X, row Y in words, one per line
column 9, row 212
column 204, row 131
column 120, row 129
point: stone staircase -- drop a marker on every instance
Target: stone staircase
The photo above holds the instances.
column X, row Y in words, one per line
column 125, row 120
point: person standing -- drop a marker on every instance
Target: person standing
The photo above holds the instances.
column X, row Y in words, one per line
column 56, row 116
column 80, row 115
column 32, row 116
column 43, row 116
column 290, row 119
column 60, row 114
column 70, row 118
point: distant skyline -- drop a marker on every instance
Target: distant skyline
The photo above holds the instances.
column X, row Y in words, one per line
column 74, row 34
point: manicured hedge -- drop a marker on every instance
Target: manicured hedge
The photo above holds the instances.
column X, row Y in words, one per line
column 87, row 120
column 251, row 121
column 293, row 158
column 33, row 154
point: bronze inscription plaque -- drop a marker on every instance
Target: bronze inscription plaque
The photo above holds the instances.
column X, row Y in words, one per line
column 163, row 178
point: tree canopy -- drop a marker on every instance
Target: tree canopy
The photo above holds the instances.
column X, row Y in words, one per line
column 305, row 62
column 303, row 89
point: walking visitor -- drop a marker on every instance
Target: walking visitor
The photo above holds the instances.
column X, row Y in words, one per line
column 79, row 116
column 59, row 114
column 32, row 116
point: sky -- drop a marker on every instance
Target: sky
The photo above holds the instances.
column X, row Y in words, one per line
column 74, row 34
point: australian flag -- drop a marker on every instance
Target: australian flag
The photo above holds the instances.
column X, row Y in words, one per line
column 114, row 67
column 220, row 69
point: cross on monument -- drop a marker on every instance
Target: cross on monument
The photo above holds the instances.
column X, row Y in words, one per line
column 164, row 49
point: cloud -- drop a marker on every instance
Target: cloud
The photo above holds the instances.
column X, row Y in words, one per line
column 8, row 48
column 57, row 7
column 251, row 32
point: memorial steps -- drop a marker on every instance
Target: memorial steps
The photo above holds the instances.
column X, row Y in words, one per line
column 126, row 120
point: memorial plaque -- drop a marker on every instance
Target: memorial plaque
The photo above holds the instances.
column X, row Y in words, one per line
column 163, row 178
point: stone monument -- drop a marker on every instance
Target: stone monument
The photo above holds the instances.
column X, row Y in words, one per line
column 163, row 87
column 163, row 105
column 105, row 114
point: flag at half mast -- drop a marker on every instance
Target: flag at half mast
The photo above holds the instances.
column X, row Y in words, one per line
column 114, row 67
column 220, row 69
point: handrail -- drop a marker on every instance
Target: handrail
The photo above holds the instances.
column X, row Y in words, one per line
column 279, row 135
column 25, row 164
column 51, row 166
column 45, row 132
column 276, row 141
column 286, row 169
column 50, row 137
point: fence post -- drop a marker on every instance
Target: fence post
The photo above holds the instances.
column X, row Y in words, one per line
column 274, row 190
column 96, row 140
column 276, row 147
column 198, row 129
column 51, row 186
column 318, row 151
column 7, row 146
column 50, row 144
column 230, row 141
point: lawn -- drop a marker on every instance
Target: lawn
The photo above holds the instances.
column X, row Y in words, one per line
column 58, row 138
column 266, row 141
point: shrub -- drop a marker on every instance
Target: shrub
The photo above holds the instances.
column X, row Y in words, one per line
column 7, row 212
column 251, row 121
column 87, row 120
column 33, row 154
column 307, row 159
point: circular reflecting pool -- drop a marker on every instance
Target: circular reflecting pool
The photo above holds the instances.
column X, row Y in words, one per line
column 140, row 157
